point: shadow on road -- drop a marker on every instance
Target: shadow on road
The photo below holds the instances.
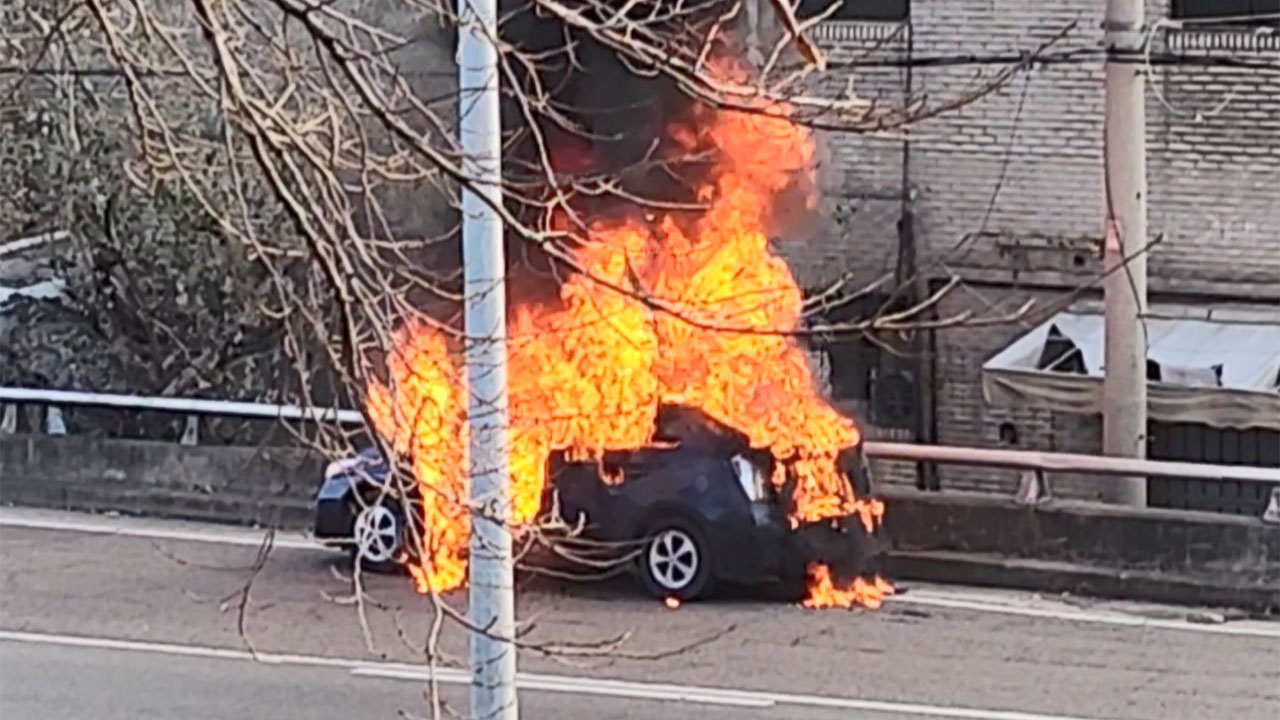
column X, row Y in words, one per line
column 621, row 586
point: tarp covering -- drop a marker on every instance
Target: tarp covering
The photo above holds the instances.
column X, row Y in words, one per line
column 1223, row 373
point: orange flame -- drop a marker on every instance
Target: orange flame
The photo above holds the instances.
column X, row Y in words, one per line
column 824, row 593
column 589, row 372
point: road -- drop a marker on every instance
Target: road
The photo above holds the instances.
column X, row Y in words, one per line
column 143, row 619
column 53, row 682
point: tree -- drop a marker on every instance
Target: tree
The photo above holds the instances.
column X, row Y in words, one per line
column 161, row 300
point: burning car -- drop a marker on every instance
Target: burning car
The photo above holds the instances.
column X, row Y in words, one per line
column 694, row 507
column 654, row 308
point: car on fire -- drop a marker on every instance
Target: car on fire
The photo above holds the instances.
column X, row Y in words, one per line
column 694, row 508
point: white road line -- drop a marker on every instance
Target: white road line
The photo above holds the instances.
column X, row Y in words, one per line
column 545, row 683
column 129, row 527
column 985, row 602
column 720, row 696
column 1245, row 628
column 582, row 686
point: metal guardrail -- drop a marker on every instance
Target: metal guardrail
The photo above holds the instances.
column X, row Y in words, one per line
column 184, row 406
column 1032, row 488
column 53, row 400
column 1068, row 462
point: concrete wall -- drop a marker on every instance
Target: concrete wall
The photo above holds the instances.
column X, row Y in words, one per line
column 269, row 487
column 1008, row 190
column 1084, row 549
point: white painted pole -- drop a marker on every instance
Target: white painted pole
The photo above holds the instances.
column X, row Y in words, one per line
column 492, row 595
column 1124, row 258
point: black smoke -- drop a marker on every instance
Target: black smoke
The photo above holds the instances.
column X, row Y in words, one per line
column 618, row 114
column 613, row 121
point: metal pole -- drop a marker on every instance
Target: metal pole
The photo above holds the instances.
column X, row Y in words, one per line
column 1124, row 386
column 188, row 406
column 492, row 601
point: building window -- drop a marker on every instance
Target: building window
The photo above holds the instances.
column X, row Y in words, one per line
column 1227, row 12
column 866, row 370
column 853, row 362
column 875, row 378
column 855, row 10
column 894, row 398
column 853, row 358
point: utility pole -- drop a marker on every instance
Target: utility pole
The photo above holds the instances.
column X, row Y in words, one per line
column 492, row 598
column 1124, row 252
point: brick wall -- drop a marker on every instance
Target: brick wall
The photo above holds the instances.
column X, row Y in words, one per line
column 1023, row 166
column 1008, row 189
column 1213, row 138
column 1021, row 163
column 859, row 176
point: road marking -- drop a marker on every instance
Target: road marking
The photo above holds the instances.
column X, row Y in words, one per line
column 970, row 601
column 543, row 683
column 1244, row 628
column 581, row 686
column 720, row 696
column 132, row 527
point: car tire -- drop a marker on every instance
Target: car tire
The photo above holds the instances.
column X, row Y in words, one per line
column 378, row 535
column 676, row 560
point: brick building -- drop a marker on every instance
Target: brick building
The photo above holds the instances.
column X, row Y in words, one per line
column 1006, row 193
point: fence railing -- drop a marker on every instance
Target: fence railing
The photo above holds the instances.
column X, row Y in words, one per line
column 1057, row 462
column 1035, row 465
column 192, row 408
column 185, row 406
column 1034, row 485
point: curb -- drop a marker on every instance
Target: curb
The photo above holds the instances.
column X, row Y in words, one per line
column 1052, row 577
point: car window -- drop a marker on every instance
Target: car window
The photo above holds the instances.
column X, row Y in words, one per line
column 751, row 477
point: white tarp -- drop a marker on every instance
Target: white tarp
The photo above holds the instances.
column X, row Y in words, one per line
column 1223, row 373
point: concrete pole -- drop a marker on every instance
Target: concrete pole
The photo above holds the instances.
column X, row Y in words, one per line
column 1124, row 386
column 492, row 601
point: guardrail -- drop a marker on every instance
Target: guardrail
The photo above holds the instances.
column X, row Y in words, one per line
column 1032, row 488
column 53, row 400
column 1045, row 462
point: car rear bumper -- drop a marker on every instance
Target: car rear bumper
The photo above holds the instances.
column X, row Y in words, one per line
column 775, row 552
column 843, row 544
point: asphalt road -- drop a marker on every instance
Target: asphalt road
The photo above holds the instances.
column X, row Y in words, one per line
column 148, row 624
column 50, row 682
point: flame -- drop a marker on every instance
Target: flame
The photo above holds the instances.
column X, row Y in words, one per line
column 823, row 592
column 588, row 372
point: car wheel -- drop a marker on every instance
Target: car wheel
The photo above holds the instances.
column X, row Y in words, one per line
column 676, row 561
column 378, row 535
